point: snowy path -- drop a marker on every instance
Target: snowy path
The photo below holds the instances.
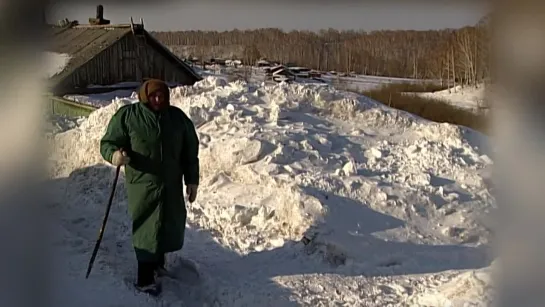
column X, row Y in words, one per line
column 393, row 203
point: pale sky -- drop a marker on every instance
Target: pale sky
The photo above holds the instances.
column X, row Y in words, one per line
column 288, row 15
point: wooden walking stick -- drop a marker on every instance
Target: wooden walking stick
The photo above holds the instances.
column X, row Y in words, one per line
column 101, row 233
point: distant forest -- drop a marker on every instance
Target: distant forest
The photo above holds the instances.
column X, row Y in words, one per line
column 459, row 55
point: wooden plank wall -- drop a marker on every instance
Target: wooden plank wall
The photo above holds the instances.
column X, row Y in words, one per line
column 124, row 62
column 155, row 65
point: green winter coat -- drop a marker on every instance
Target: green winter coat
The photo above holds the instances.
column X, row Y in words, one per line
column 163, row 148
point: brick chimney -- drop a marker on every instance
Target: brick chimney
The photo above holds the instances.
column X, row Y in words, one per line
column 100, row 12
column 99, row 20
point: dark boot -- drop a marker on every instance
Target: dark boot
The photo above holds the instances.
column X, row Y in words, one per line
column 146, row 282
column 161, row 262
column 161, row 269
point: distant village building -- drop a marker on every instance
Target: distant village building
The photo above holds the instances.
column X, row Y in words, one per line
column 315, row 74
column 300, row 72
column 263, row 63
column 217, row 61
column 233, row 63
column 279, row 73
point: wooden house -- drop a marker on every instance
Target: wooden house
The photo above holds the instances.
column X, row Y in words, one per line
column 263, row 63
column 105, row 54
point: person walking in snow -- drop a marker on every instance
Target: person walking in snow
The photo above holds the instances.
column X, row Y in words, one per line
column 158, row 145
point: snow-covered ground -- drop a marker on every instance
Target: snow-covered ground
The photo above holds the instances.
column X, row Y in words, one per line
column 361, row 83
column 357, row 83
column 467, row 97
column 394, row 207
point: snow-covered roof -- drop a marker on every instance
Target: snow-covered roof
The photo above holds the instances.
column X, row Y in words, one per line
column 279, row 71
column 54, row 63
column 277, row 67
column 299, row 68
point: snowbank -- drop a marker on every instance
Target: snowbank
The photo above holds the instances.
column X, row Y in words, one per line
column 103, row 99
column 468, row 97
column 470, row 288
column 54, row 63
column 57, row 123
column 390, row 204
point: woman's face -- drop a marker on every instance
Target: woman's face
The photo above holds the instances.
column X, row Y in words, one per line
column 157, row 100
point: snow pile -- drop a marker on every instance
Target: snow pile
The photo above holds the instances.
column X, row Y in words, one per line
column 389, row 205
column 54, row 63
column 79, row 147
column 103, row 99
column 57, row 123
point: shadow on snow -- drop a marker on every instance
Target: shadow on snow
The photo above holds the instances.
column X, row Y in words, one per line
column 245, row 280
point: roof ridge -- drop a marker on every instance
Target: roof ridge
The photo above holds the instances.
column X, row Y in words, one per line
column 89, row 26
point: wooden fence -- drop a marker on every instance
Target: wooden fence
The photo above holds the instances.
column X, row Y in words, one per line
column 60, row 106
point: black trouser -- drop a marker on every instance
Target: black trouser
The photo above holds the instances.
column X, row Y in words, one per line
column 146, row 271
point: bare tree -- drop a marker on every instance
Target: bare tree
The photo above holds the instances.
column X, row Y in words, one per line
column 460, row 55
column 250, row 57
